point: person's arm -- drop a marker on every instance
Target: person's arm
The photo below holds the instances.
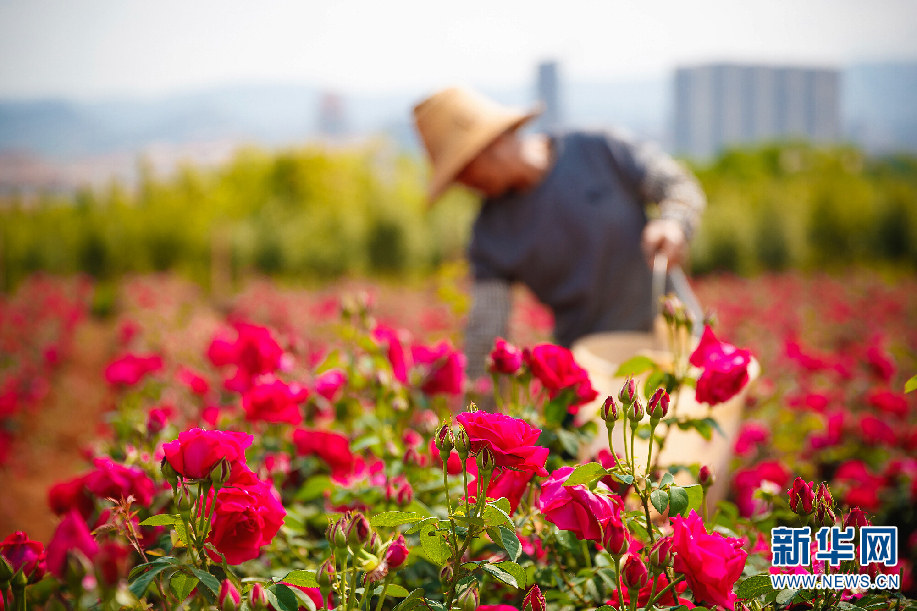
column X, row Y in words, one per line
column 660, row 179
column 488, row 319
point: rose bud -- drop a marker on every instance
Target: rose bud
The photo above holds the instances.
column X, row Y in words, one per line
column 635, row 412
column 184, row 499
column 24, row 555
column 823, row 496
column 469, row 600
column 856, row 518
column 337, row 534
column 375, row 544
column 706, row 477
column 156, row 421
column 396, row 553
column 661, row 554
column 445, row 441
column 229, row 599
column 504, row 358
column 658, row 406
column 614, row 537
column 412, row 457
column 445, row 574
column 802, row 499
column 405, row 494
column 220, row 473
column 359, row 531
column 825, row 515
column 628, row 391
column 610, row 410
column 257, row 597
column 673, row 309
column 534, row 600
column 462, row 442
column 485, row 460
column 325, row 574
column 634, row 573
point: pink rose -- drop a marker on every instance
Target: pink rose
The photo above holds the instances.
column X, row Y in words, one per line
column 333, row 448
column 158, row 418
column 725, row 369
column 330, row 384
column 576, row 508
column 196, row 452
column 392, row 341
column 274, row 401
column 751, row 435
column 247, row 516
column 876, row 432
column 711, row 563
column 504, row 358
column 193, row 380
column 444, row 368
column 888, row 402
column 512, row 441
column 131, row 368
column 749, row 480
column 71, row 534
column 24, row 554
column 254, row 352
column 556, row 369
column 112, row 480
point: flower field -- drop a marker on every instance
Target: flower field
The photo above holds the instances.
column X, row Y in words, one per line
column 295, row 448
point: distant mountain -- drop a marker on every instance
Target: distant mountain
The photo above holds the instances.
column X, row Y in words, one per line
column 879, row 103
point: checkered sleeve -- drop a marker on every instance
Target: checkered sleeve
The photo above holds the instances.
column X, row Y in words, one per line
column 488, row 319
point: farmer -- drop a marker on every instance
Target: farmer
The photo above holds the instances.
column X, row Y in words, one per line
column 577, row 217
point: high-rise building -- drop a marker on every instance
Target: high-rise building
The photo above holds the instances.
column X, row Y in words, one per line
column 548, row 86
column 722, row 105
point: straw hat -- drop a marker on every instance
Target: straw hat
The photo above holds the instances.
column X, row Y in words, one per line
column 455, row 125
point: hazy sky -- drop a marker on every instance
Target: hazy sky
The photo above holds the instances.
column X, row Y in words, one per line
column 98, row 48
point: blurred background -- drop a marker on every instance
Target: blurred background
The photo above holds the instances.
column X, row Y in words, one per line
column 226, row 138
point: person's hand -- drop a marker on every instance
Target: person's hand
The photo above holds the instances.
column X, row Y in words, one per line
column 667, row 236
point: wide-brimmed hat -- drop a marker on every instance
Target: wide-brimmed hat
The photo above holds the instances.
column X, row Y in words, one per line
column 455, row 125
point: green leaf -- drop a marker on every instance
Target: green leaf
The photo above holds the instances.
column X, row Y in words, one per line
column 624, row 479
column 714, row 425
column 494, row 516
column 508, row 572
column 910, row 385
column 413, row 600
column 305, row 579
column 395, row 518
column 282, row 598
column 417, row 527
column 208, row 580
column 633, row 366
column 510, row 543
column 314, row 488
column 161, row 520
column 502, row 503
column 434, row 546
column 586, row 474
column 362, row 444
column 182, row 533
column 785, row 596
column 667, row 479
column 394, row 590
column 606, row 608
column 695, row 497
column 556, row 410
column 182, row 584
column 568, row 441
column 140, row 568
column 475, row 521
column 304, row 600
column 660, row 500
column 139, row 586
column 678, row 500
column 754, row 586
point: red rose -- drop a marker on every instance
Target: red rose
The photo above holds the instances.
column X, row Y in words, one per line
column 246, row 517
column 504, row 483
column 72, row 494
column 254, row 352
column 444, row 368
column 25, row 554
column 876, row 432
column 392, row 341
column 396, row 553
column 274, row 401
column 556, row 369
column 751, row 435
column 511, row 440
column 193, row 380
column 749, row 480
column 504, row 358
column 333, row 448
column 196, row 451
column 888, row 402
column 115, row 481
column 725, row 369
column 711, row 563
column 576, row 508
column 330, row 384
column 131, row 368
column 71, row 534
column 158, row 418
